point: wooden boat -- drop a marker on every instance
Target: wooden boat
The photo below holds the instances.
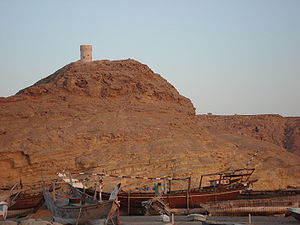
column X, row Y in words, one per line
column 70, row 206
column 7, row 199
column 28, row 201
column 295, row 212
column 25, row 204
column 19, row 213
column 22, row 196
column 176, row 199
column 227, row 186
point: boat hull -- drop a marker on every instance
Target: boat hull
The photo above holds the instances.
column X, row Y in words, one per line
column 131, row 203
column 85, row 215
column 65, row 213
column 28, row 202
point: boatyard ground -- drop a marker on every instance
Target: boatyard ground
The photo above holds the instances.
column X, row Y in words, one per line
column 182, row 220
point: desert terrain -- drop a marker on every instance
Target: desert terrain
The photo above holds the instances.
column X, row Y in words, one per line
column 119, row 117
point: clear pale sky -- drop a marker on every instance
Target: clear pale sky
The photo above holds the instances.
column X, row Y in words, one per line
column 233, row 56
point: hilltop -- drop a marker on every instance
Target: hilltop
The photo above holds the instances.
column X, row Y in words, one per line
column 122, row 118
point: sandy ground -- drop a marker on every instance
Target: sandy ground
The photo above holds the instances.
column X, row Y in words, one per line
column 43, row 213
column 256, row 220
column 182, row 220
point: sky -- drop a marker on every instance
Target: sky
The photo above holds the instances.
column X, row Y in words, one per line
column 229, row 57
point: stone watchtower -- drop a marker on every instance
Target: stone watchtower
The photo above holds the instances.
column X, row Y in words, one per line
column 85, row 53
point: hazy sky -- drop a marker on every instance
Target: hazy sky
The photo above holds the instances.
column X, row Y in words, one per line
column 233, row 56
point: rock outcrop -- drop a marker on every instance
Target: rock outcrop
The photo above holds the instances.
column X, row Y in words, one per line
column 121, row 118
column 281, row 131
column 292, row 135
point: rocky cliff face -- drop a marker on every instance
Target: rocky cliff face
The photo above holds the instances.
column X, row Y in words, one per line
column 121, row 118
column 281, row 131
column 292, row 135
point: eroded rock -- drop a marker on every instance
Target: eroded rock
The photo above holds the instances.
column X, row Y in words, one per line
column 121, row 118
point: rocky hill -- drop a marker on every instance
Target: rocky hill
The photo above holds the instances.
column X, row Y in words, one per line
column 121, row 118
column 281, row 131
column 292, row 135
